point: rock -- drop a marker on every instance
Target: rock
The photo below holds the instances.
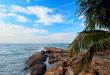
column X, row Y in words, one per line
column 55, row 71
column 52, row 61
column 53, row 50
column 100, row 64
column 50, row 73
column 38, row 57
column 38, row 69
column 69, row 71
column 84, row 73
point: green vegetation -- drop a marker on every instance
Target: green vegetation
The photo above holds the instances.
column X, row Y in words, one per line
column 96, row 36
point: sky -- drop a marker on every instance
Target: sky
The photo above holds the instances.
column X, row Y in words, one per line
column 39, row 21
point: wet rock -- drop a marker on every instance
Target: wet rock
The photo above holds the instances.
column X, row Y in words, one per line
column 36, row 58
column 38, row 69
column 52, row 61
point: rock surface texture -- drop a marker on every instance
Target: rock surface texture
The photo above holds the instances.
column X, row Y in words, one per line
column 100, row 64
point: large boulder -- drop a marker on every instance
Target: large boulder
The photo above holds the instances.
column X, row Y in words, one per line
column 100, row 64
column 38, row 69
column 36, row 58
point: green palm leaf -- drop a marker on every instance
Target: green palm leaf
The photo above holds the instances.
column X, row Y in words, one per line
column 97, row 13
column 86, row 38
column 97, row 16
column 100, row 46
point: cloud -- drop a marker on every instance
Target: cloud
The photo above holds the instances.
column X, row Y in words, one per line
column 10, row 33
column 82, row 24
column 49, row 20
column 10, row 29
column 81, row 17
column 19, row 18
column 49, row 38
column 44, row 15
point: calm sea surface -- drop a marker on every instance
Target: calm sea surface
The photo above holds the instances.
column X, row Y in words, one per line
column 13, row 56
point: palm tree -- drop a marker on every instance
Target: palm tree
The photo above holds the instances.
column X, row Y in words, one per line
column 97, row 13
column 96, row 36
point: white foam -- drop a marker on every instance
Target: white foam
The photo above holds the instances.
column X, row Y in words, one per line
column 40, row 49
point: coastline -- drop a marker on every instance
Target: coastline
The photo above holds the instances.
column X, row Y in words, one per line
column 64, row 65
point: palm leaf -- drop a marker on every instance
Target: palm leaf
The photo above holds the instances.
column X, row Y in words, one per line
column 97, row 13
column 86, row 38
column 100, row 46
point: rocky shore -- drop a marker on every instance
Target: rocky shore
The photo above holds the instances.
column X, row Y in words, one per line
column 64, row 65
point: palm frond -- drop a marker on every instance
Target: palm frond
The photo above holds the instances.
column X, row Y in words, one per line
column 86, row 38
column 100, row 46
column 97, row 13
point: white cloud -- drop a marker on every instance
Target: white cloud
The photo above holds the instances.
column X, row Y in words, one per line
column 82, row 24
column 4, row 13
column 81, row 17
column 49, row 20
column 10, row 33
column 10, row 29
column 44, row 15
column 19, row 34
column 49, row 38
column 19, row 18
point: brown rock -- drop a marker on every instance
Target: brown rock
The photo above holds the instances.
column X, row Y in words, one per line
column 52, row 61
column 55, row 71
column 36, row 58
column 53, row 50
column 38, row 69
column 69, row 71
column 84, row 73
column 60, row 70
column 100, row 64
column 50, row 73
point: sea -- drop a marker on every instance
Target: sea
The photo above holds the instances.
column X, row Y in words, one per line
column 14, row 56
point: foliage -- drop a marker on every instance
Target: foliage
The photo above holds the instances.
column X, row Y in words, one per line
column 96, row 36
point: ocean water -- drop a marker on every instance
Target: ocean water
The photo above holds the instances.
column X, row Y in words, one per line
column 13, row 56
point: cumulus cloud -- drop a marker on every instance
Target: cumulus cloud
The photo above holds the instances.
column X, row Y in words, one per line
column 10, row 33
column 44, row 15
column 10, row 29
column 19, row 18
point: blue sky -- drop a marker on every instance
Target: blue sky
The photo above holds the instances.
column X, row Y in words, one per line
column 39, row 21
